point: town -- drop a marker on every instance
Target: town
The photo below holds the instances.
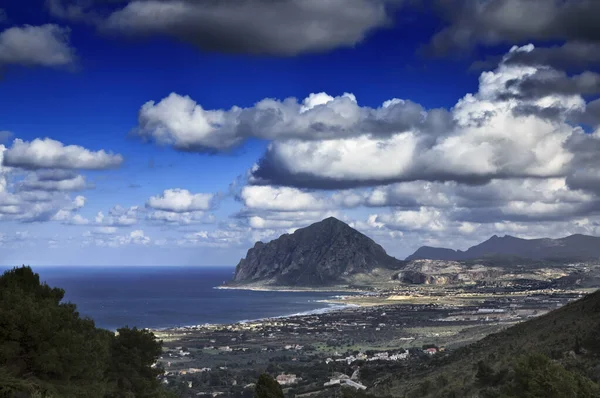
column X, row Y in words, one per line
column 309, row 354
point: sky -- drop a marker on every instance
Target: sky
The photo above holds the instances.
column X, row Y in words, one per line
column 180, row 132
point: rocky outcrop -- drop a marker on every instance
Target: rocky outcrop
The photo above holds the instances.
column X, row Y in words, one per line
column 324, row 253
column 441, row 272
column 574, row 247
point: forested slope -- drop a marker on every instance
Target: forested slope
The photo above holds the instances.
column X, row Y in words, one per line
column 48, row 350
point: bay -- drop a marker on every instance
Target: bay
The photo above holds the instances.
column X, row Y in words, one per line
column 171, row 296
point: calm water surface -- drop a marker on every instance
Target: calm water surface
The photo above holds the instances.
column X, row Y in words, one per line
column 159, row 297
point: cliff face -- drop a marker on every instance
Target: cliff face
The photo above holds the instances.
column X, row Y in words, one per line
column 321, row 254
column 576, row 247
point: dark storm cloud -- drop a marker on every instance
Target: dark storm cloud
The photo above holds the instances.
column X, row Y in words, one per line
column 46, row 45
column 273, row 27
column 547, row 82
column 569, row 55
column 562, row 212
column 515, row 21
column 591, row 116
column 552, row 113
column 574, row 55
column 585, row 171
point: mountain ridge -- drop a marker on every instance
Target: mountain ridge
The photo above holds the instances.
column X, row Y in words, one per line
column 575, row 247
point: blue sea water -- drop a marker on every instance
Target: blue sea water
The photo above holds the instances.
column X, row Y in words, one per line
column 169, row 296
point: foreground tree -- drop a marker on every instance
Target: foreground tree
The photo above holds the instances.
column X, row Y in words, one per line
column 48, row 350
column 133, row 352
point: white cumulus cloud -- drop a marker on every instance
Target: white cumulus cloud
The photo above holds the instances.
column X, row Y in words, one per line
column 49, row 153
column 280, row 199
column 181, row 200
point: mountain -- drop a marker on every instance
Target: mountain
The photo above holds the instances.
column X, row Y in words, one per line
column 323, row 253
column 541, row 357
column 436, row 253
column 574, row 247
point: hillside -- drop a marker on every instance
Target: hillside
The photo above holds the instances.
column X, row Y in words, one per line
column 321, row 254
column 574, row 247
column 563, row 344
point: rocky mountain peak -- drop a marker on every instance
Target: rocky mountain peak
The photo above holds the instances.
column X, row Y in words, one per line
column 330, row 225
column 331, row 221
column 326, row 252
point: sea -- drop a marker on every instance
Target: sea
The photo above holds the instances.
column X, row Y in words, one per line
column 172, row 296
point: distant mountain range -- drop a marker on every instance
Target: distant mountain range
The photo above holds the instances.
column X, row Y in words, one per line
column 574, row 247
column 321, row 254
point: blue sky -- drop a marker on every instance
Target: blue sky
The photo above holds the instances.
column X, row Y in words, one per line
column 158, row 132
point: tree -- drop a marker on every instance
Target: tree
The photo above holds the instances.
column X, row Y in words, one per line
column 267, row 387
column 48, row 350
column 133, row 353
column 45, row 340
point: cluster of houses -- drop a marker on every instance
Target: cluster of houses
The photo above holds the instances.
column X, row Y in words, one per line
column 342, row 379
column 225, row 348
column 288, row 379
column 296, row 347
column 177, row 353
column 384, row 356
column 194, row 370
column 379, row 356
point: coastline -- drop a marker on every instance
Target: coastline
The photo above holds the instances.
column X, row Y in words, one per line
column 333, row 307
column 262, row 288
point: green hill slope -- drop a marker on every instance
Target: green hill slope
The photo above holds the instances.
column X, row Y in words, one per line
column 555, row 355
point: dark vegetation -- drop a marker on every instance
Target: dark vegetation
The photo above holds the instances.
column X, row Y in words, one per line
column 555, row 355
column 267, row 387
column 48, row 350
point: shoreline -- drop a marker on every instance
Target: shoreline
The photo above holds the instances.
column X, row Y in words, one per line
column 333, row 306
column 283, row 289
